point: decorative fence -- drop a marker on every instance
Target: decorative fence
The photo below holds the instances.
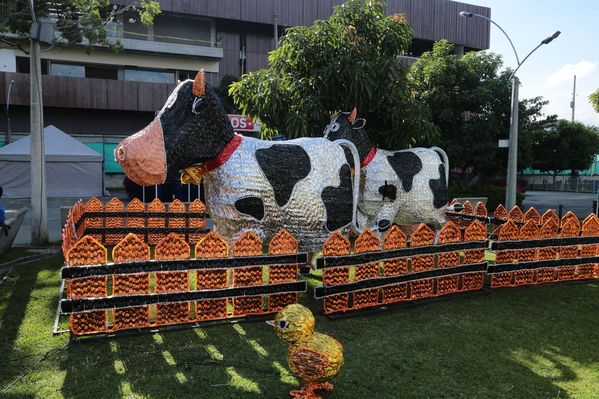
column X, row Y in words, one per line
column 153, row 279
column 528, row 248
column 149, row 286
column 108, row 224
column 400, row 270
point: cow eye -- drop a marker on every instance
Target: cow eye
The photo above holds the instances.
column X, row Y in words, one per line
column 335, row 127
column 196, row 105
column 283, row 324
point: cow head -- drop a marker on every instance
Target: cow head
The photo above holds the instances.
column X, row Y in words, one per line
column 346, row 125
column 192, row 127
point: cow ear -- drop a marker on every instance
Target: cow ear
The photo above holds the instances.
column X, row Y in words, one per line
column 358, row 123
column 199, row 84
column 352, row 117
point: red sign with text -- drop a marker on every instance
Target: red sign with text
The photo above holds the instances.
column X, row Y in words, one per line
column 244, row 123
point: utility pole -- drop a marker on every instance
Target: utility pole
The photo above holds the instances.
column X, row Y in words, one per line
column 512, row 166
column 573, row 102
column 39, row 202
column 8, row 132
column 276, row 28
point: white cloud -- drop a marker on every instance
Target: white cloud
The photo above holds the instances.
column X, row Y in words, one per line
column 567, row 72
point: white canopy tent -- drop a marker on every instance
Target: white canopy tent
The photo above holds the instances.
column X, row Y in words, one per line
column 72, row 168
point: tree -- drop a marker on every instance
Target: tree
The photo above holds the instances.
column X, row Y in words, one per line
column 74, row 21
column 567, row 146
column 70, row 22
column 594, row 99
column 222, row 90
column 350, row 60
column 470, row 103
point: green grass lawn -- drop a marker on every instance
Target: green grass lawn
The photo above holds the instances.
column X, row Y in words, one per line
column 539, row 342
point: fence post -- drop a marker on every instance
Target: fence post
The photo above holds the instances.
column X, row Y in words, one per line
column 560, row 210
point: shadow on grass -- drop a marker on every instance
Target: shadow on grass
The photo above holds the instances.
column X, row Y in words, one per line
column 513, row 343
column 226, row 362
column 524, row 343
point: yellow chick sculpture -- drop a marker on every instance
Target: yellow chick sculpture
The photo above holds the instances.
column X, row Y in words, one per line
column 314, row 357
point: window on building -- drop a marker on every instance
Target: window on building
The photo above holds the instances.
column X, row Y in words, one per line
column 23, row 65
column 75, row 71
column 140, row 75
column 183, row 30
column 101, row 72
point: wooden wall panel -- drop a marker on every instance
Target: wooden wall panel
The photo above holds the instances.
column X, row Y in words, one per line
column 67, row 92
column 430, row 19
column 122, row 95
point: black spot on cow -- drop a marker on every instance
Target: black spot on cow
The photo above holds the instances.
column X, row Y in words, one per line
column 252, row 206
column 338, row 201
column 439, row 187
column 406, row 165
column 284, row 166
column 388, row 191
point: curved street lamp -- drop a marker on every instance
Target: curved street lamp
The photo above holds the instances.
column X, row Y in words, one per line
column 512, row 167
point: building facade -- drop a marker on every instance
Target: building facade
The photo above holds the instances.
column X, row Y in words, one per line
column 104, row 96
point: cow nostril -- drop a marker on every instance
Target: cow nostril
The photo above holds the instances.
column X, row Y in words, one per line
column 120, row 153
column 383, row 225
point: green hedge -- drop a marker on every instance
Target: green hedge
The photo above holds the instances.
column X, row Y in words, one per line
column 495, row 195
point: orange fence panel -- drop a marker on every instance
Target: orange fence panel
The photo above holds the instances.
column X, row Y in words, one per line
column 94, row 205
column 570, row 228
column 336, row 244
column 173, row 246
column 87, row 251
column 247, row 245
column 530, row 231
column 115, row 205
column 136, row 205
column 394, row 239
column 211, row 246
column 281, row 244
column 590, row 227
column 508, row 231
column 156, row 206
column 366, row 242
column 196, row 206
column 448, row 234
column 131, row 248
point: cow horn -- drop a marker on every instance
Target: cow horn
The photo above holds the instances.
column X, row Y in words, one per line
column 199, row 84
column 353, row 115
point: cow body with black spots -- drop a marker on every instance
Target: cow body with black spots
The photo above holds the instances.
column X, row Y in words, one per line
column 303, row 185
column 403, row 187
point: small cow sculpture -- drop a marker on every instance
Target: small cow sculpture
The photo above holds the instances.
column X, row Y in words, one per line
column 302, row 185
column 404, row 187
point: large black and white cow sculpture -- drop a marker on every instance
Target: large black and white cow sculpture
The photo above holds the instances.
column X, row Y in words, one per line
column 303, row 185
column 403, row 187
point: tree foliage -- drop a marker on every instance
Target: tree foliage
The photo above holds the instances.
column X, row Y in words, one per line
column 470, row 103
column 334, row 65
column 567, row 146
column 76, row 21
column 594, row 99
column 222, row 90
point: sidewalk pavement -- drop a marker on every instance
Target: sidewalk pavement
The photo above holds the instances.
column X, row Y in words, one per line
column 579, row 203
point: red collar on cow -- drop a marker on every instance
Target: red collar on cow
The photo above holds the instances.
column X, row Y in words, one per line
column 369, row 157
column 195, row 174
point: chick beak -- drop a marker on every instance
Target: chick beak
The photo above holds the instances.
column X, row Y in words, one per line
column 271, row 322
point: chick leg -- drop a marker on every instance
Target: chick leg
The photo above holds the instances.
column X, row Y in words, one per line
column 309, row 389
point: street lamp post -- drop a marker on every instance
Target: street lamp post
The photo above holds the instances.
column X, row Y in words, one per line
column 512, row 166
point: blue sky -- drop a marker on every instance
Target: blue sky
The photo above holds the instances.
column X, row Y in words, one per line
column 550, row 70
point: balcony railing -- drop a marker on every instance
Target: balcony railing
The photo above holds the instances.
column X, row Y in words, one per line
column 69, row 92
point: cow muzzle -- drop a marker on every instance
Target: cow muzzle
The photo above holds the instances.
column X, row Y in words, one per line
column 142, row 156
